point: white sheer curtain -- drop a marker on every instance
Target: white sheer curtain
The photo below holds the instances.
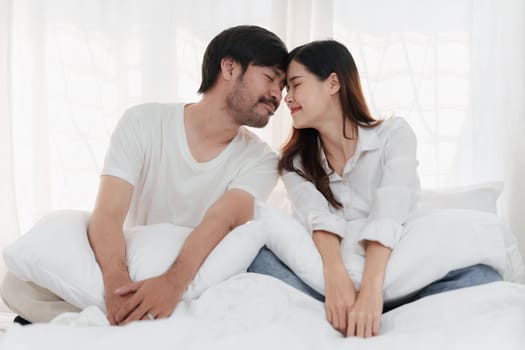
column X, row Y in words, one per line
column 455, row 70
column 8, row 209
column 68, row 69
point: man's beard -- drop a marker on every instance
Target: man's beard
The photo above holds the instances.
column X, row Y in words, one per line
column 243, row 111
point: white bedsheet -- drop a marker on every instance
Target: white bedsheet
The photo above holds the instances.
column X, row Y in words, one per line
column 252, row 311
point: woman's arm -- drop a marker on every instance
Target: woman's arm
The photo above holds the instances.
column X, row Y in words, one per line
column 311, row 207
column 396, row 194
column 340, row 292
column 364, row 318
column 393, row 201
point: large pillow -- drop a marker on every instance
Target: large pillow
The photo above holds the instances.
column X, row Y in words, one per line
column 481, row 196
column 434, row 243
column 55, row 254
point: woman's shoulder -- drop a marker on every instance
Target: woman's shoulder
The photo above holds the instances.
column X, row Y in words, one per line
column 394, row 125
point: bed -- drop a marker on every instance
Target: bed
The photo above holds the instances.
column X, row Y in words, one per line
column 250, row 311
column 226, row 308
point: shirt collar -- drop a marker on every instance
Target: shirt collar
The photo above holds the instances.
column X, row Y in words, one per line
column 367, row 140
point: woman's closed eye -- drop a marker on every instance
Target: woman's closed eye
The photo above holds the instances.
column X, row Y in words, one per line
column 292, row 86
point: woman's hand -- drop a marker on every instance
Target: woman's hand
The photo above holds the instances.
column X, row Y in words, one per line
column 365, row 315
column 340, row 296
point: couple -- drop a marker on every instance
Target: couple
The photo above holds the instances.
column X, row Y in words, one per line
column 196, row 165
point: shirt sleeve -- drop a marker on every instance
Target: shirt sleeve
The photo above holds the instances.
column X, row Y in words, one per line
column 396, row 195
column 125, row 155
column 258, row 177
column 311, row 207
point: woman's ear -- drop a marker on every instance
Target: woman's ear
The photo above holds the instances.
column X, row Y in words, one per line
column 333, row 82
column 227, row 66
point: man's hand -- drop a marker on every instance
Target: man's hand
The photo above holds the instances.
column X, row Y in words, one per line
column 114, row 302
column 152, row 298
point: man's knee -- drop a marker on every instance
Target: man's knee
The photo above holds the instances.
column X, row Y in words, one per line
column 9, row 292
column 32, row 302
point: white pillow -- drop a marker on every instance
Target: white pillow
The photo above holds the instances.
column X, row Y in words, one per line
column 481, row 196
column 55, row 254
column 434, row 243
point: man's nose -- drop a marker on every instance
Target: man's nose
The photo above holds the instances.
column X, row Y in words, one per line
column 276, row 92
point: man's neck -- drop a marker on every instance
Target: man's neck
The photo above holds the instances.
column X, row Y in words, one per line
column 209, row 121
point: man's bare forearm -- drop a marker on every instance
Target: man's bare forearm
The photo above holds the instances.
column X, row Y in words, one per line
column 107, row 241
column 196, row 249
column 105, row 228
column 232, row 210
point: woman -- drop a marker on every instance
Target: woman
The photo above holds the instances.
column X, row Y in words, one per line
column 349, row 177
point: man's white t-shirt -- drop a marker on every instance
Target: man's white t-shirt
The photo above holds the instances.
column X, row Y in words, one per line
column 149, row 150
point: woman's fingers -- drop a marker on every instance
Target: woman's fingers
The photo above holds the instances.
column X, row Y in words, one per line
column 335, row 318
column 360, row 326
column 376, row 326
column 342, row 312
column 368, row 327
column 328, row 314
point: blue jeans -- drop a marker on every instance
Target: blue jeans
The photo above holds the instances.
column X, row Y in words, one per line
column 268, row 264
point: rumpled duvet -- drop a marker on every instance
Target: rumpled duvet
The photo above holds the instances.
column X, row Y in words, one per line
column 251, row 311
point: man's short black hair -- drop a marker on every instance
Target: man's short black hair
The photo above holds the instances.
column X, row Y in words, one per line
column 246, row 45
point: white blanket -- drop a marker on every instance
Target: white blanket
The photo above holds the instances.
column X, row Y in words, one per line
column 252, row 311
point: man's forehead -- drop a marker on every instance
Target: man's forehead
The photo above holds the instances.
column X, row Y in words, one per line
column 276, row 70
column 280, row 73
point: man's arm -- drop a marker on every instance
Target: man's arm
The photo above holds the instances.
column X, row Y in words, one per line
column 107, row 239
column 159, row 296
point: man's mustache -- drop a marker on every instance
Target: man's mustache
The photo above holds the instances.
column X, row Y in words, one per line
column 271, row 101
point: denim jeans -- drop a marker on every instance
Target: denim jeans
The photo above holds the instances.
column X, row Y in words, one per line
column 268, row 264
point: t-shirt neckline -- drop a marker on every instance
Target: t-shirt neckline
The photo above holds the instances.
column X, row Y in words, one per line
column 185, row 149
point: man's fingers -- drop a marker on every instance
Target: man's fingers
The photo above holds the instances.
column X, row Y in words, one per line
column 111, row 320
column 128, row 288
column 127, row 308
column 163, row 314
column 139, row 312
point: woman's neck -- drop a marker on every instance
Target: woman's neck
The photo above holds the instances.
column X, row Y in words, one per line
column 338, row 148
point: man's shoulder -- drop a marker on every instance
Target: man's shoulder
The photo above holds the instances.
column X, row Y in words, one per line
column 153, row 110
column 252, row 143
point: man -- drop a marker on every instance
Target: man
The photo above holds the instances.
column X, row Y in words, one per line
column 192, row 165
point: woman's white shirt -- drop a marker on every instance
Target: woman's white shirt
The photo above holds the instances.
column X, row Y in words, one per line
column 378, row 188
